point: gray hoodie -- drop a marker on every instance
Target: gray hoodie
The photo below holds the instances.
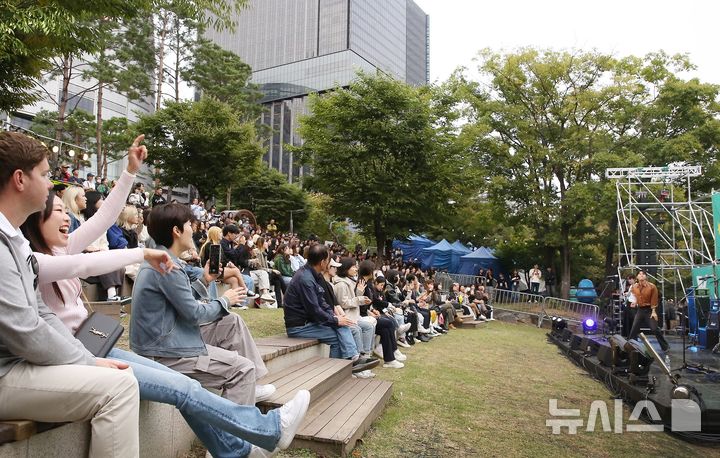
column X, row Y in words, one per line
column 29, row 330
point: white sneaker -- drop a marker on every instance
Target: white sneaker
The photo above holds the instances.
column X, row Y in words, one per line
column 264, row 392
column 403, row 344
column 259, row 452
column 394, row 364
column 402, row 329
column 267, row 297
column 378, row 351
column 291, row 415
column 364, row 374
column 399, row 356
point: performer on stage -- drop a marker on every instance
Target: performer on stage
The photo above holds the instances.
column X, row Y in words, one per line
column 629, row 305
column 646, row 295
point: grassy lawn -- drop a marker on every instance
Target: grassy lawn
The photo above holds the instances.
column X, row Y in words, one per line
column 485, row 392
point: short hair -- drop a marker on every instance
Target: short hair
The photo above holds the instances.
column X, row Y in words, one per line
column 125, row 214
column 392, row 276
column 345, row 266
column 317, row 254
column 166, row 217
column 366, row 268
column 19, row 152
column 410, row 277
column 230, row 229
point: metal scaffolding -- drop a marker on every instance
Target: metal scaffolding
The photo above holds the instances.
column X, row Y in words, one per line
column 660, row 200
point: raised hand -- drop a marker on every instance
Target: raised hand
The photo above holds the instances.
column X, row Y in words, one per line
column 159, row 260
column 136, row 155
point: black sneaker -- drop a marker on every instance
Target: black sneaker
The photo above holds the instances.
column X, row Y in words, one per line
column 424, row 338
column 410, row 339
column 363, row 364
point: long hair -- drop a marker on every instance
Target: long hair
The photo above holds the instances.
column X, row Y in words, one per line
column 93, row 197
column 213, row 237
column 281, row 251
column 31, row 229
column 70, row 199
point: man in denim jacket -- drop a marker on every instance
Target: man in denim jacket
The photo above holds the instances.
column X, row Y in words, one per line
column 167, row 320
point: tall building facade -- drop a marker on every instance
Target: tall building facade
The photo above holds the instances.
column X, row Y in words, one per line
column 299, row 47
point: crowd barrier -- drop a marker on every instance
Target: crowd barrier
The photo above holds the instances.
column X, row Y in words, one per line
column 543, row 307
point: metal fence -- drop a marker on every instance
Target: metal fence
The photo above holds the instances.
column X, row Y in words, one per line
column 535, row 304
column 516, row 301
column 570, row 310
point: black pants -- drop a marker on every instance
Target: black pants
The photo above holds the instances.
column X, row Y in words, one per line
column 279, row 284
column 642, row 317
column 425, row 314
column 534, row 288
column 385, row 328
column 627, row 320
column 411, row 317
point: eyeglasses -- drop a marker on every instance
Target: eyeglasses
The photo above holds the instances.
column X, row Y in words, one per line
column 33, row 262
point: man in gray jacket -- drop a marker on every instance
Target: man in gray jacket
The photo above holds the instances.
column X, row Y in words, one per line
column 45, row 373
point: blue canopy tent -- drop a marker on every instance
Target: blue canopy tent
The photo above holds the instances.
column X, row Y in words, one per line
column 482, row 257
column 458, row 245
column 442, row 255
column 412, row 247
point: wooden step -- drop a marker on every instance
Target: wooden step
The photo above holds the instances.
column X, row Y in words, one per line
column 465, row 318
column 471, row 324
column 280, row 352
column 335, row 422
column 275, row 346
column 317, row 375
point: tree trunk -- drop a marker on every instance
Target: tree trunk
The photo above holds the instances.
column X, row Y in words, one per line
column 565, row 252
column 227, row 198
column 177, row 59
column 610, row 266
column 161, row 59
column 98, row 129
column 380, row 237
column 62, row 103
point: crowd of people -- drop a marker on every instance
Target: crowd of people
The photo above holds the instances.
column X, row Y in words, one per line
column 183, row 336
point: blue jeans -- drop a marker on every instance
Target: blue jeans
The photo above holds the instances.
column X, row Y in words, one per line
column 342, row 344
column 221, row 425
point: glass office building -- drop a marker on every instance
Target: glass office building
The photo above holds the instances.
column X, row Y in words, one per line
column 297, row 47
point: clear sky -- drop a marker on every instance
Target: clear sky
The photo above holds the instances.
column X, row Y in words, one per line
column 459, row 28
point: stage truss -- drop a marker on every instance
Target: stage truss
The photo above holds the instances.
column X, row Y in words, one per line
column 663, row 198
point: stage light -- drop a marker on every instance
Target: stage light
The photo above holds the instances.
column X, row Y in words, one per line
column 71, row 153
column 609, row 325
column 85, row 157
column 55, row 149
column 589, row 326
column 681, row 392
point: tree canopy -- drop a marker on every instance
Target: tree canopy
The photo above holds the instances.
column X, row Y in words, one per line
column 374, row 149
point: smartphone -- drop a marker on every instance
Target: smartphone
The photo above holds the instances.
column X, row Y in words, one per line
column 214, row 259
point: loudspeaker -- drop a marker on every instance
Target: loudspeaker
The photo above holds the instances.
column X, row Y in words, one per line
column 575, row 342
column 605, row 355
column 712, row 322
column 712, row 337
column 566, row 335
column 589, row 346
column 647, row 239
column 639, row 363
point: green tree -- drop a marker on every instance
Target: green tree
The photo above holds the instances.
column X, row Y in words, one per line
column 544, row 126
column 201, row 143
column 222, row 75
column 373, row 148
column 117, row 134
column 267, row 194
column 123, row 64
column 32, row 32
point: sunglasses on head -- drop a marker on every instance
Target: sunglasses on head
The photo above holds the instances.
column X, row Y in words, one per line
column 33, row 262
